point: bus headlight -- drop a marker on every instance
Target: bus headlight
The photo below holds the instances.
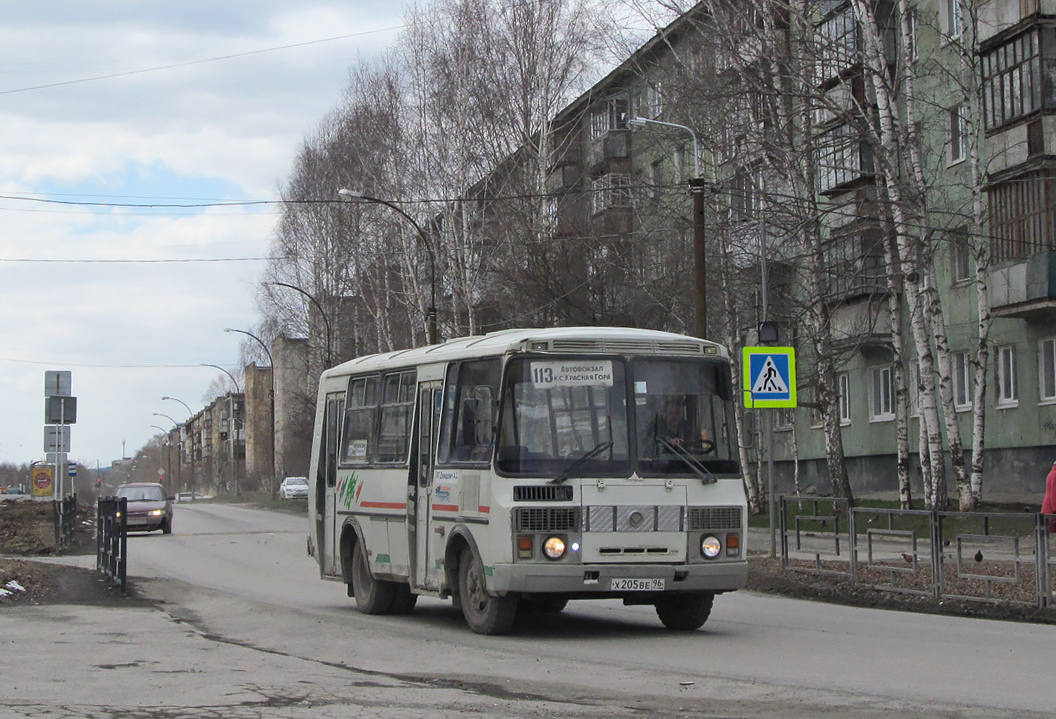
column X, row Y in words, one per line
column 554, row 548
column 710, row 547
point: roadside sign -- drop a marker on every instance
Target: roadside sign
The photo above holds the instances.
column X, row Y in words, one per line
column 57, row 438
column 42, row 481
column 72, row 468
column 60, row 410
column 58, row 383
column 769, row 377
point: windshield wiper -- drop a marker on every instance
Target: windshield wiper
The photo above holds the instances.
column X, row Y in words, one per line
column 580, row 462
column 690, row 461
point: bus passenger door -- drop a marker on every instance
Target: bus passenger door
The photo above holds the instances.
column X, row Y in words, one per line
column 325, row 484
column 425, row 572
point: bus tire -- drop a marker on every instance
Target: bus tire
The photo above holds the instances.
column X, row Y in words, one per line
column 403, row 599
column 372, row 596
column 685, row 612
column 484, row 613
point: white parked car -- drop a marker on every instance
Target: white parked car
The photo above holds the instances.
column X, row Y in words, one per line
column 294, row 488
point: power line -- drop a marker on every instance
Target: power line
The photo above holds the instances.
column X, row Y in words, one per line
column 198, row 62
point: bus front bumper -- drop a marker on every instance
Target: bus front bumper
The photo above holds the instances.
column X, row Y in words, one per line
column 617, row 579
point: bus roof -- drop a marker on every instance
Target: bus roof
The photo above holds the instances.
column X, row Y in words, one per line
column 586, row 340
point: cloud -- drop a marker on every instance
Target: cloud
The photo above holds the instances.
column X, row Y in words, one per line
column 136, row 330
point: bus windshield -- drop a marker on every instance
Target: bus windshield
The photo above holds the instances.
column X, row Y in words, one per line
column 573, row 415
column 684, row 417
column 558, row 411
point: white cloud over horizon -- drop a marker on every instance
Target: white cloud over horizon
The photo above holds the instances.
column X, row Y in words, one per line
column 121, row 297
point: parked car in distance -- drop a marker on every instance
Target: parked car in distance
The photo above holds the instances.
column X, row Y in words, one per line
column 294, row 488
column 148, row 507
column 190, row 496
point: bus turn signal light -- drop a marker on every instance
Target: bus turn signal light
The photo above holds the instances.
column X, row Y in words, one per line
column 524, row 546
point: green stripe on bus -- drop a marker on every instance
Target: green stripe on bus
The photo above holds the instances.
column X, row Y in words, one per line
column 490, row 571
column 384, row 559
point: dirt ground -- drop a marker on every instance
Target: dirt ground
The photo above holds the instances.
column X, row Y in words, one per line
column 26, row 532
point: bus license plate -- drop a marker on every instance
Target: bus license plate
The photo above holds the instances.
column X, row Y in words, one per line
column 637, row 585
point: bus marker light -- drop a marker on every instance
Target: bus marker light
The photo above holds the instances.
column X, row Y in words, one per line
column 524, row 546
column 733, row 545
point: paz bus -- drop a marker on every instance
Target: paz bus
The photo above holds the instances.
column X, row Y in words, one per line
column 518, row 470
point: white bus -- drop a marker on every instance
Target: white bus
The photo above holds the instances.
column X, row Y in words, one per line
column 515, row 471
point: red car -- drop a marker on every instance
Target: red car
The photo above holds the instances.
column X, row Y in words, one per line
column 148, row 507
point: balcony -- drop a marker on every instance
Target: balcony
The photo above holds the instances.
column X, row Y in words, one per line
column 1024, row 289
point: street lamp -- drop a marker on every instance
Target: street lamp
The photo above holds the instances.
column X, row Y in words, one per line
column 272, row 363
column 189, row 412
column 179, row 449
column 174, row 422
column 353, row 195
column 259, row 341
column 696, row 185
column 238, row 390
column 326, row 320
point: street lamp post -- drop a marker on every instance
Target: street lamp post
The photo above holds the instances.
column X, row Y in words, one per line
column 179, row 443
column 322, row 312
column 424, row 239
column 234, row 427
column 696, row 186
column 272, row 363
column 238, row 390
column 190, row 422
column 168, row 454
column 189, row 412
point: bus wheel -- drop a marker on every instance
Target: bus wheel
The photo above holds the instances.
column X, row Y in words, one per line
column 484, row 613
column 403, row 599
column 685, row 612
column 372, row 596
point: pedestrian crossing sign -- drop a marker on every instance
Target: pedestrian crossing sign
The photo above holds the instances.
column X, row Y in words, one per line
column 769, row 377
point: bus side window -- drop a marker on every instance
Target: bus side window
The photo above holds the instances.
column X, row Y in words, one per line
column 394, row 433
column 468, row 422
column 360, row 409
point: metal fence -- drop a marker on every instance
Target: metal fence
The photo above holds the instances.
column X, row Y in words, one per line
column 972, row 556
column 64, row 517
column 112, row 539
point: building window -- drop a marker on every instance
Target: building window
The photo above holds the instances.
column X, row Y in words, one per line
column 784, row 419
column 953, row 17
column 1007, row 394
column 744, row 200
column 855, row 263
column 1022, row 216
column 957, row 133
column 881, row 395
column 837, row 44
column 960, row 253
column 1012, row 79
column 655, row 99
column 657, row 178
column 1047, row 370
column 962, row 380
column 612, row 190
column 842, row 158
column 843, row 386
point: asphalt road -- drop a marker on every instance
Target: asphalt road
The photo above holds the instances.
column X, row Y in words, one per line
column 245, row 628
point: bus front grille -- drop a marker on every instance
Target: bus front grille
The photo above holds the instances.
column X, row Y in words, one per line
column 546, row 519
column 542, row 493
column 714, row 518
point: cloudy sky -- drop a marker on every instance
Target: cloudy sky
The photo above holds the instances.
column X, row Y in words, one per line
column 112, row 113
